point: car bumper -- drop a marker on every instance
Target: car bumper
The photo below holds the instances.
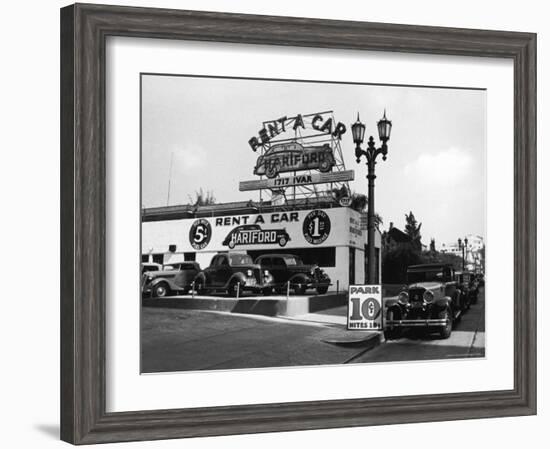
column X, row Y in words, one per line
column 430, row 322
column 309, row 284
column 251, row 285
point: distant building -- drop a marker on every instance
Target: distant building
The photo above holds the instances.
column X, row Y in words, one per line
column 473, row 252
column 393, row 237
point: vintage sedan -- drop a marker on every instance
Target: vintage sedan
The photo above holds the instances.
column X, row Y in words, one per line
column 234, row 273
column 173, row 279
column 469, row 287
column 431, row 301
column 287, row 268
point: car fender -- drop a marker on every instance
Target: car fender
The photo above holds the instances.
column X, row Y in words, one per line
column 300, row 278
column 236, row 276
column 201, row 277
column 390, row 302
column 157, row 281
column 444, row 302
column 394, row 306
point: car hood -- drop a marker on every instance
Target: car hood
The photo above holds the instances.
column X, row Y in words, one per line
column 247, row 267
column 300, row 268
column 162, row 273
column 426, row 285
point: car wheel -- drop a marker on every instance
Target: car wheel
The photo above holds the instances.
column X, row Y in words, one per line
column 231, row 244
column 325, row 167
column 322, row 290
column 299, row 289
column 391, row 333
column 161, row 290
column 282, row 241
column 233, row 288
column 445, row 331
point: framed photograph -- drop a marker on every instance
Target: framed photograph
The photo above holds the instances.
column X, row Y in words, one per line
column 274, row 223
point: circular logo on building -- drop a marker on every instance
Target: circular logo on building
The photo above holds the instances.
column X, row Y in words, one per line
column 200, row 233
column 316, row 227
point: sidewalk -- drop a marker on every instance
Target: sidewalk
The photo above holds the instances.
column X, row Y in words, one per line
column 184, row 340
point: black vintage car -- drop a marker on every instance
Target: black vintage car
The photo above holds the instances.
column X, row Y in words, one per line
column 470, row 288
column 175, row 278
column 289, row 268
column 431, row 300
column 234, row 273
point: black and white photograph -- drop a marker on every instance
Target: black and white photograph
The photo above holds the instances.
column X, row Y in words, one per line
column 299, row 223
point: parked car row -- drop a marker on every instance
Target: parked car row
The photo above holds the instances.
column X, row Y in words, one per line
column 434, row 299
column 235, row 273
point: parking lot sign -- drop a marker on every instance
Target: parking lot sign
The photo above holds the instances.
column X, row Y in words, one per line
column 365, row 307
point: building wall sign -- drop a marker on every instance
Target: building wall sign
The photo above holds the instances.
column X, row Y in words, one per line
column 292, row 156
column 316, row 227
column 255, row 235
column 200, row 234
column 304, row 228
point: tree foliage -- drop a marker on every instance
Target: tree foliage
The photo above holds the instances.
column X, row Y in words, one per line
column 202, row 198
column 397, row 257
column 412, row 229
column 359, row 202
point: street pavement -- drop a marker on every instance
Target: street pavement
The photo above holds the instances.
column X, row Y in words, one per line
column 466, row 340
column 183, row 340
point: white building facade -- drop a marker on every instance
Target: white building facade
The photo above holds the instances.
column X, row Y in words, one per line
column 331, row 238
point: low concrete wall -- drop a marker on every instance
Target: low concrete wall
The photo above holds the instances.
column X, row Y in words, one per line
column 269, row 306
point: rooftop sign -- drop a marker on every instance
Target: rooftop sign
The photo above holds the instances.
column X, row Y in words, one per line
column 316, row 122
column 297, row 180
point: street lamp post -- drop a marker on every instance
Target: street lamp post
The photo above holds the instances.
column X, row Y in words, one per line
column 371, row 153
column 463, row 247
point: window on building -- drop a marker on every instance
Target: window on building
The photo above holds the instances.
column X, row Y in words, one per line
column 158, row 258
column 190, row 257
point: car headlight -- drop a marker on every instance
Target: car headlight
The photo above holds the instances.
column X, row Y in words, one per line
column 249, row 273
column 266, row 273
column 428, row 296
column 403, row 298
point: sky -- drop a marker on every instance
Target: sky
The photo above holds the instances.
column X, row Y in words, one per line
column 435, row 167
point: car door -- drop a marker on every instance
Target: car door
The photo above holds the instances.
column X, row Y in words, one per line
column 210, row 271
column 223, row 271
column 279, row 270
column 451, row 286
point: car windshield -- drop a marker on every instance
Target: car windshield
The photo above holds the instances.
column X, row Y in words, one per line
column 292, row 260
column 150, row 268
column 435, row 275
column 241, row 259
column 170, row 267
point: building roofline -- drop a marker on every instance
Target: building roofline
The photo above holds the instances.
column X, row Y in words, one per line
column 176, row 212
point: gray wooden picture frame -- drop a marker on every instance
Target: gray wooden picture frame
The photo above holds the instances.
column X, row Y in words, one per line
column 84, row 29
